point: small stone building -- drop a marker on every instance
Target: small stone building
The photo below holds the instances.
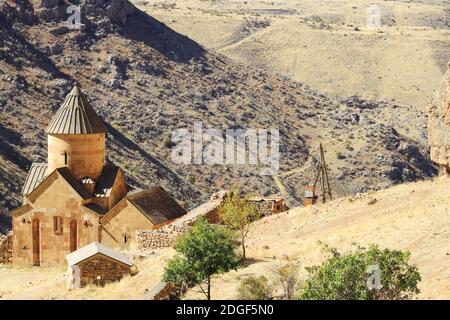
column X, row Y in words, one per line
column 97, row 264
column 269, row 205
column 75, row 199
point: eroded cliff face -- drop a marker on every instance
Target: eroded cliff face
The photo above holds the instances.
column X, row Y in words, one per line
column 116, row 11
column 439, row 124
column 92, row 12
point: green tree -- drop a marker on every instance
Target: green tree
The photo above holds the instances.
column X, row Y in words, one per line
column 238, row 213
column 366, row 274
column 205, row 250
column 255, row 288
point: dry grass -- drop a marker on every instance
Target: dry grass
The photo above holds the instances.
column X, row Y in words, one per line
column 413, row 217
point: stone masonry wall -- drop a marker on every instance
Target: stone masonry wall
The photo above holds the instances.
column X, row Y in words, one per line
column 5, row 249
column 100, row 270
column 168, row 234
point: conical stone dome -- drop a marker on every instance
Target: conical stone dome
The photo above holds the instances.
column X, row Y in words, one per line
column 76, row 116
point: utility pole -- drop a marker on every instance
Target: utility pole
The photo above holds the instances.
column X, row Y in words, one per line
column 322, row 173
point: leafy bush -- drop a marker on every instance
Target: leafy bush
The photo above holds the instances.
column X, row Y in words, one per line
column 255, row 288
column 366, row 274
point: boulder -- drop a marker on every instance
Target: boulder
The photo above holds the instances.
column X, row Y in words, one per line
column 439, row 124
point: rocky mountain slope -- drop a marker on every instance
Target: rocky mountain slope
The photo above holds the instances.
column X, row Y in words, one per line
column 147, row 80
column 439, row 124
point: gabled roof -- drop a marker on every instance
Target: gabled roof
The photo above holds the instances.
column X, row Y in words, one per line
column 91, row 250
column 157, row 205
column 75, row 116
column 68, row 177
column 35, row 176
column 106, row 181
column 74, row 183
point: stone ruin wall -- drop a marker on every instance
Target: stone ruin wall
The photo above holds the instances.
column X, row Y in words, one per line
column 158, row 239
column 167, row 235
column 6, row 249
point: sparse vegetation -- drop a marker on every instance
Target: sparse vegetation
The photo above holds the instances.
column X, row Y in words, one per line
column 287, row 277
column 354, row 276
column 255, row 288
column 204, row 251
column 340, row 155
column 238, row 213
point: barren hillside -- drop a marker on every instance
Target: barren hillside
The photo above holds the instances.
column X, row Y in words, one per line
column 147, row 80
column 413, row 216
column 326, row 44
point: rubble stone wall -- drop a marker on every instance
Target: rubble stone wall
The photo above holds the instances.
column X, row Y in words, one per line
column 167, row 235
column 6, row 249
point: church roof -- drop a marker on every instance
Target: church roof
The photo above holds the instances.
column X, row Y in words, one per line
column 106, row 181
column 91, row 250
column 157, row 205
column 74, row 183
column 36, row 174
column 75, row 116
column 47, row 181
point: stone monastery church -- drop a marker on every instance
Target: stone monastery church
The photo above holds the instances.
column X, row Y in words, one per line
column 75, row 199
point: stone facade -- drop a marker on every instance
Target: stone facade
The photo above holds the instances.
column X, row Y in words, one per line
column 5, row 249
column 100, row 270
column 119, row 227
column 83, row 154
column 439, row 124
column 35, row 238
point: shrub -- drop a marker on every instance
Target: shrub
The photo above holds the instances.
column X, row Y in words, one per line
column 287, row 277
column 366, row 274
column 255, row 288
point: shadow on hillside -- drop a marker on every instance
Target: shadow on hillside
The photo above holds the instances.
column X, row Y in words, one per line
column 21, row 50
column 249, row 261
column 9, row 139
column 153, row 33
column 119, row 138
